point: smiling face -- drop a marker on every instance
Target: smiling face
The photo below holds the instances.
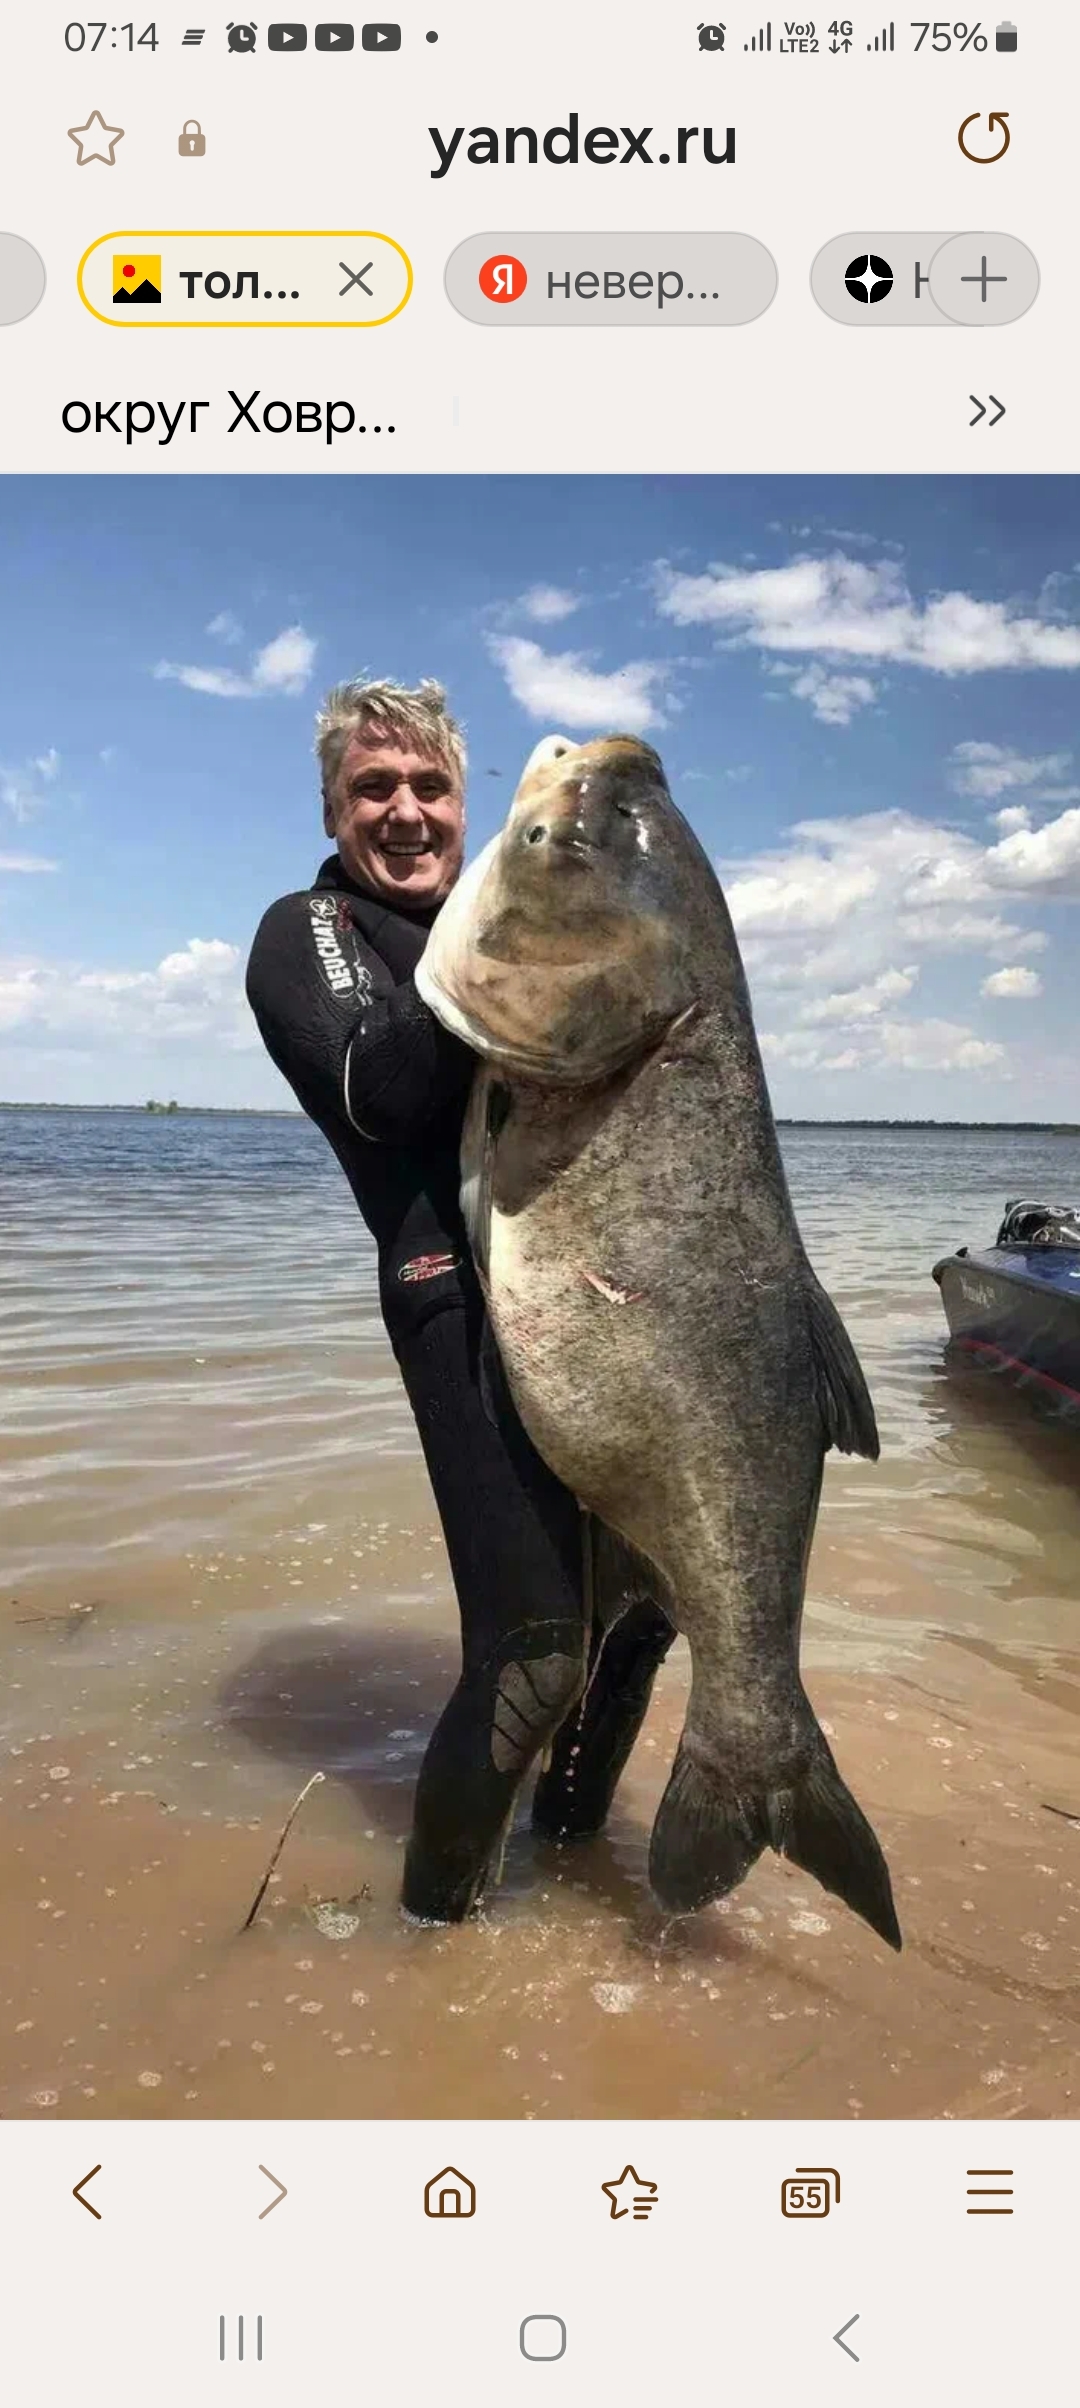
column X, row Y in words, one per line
column 398, row 819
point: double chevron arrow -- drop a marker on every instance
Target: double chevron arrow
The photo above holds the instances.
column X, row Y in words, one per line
column 980, row 409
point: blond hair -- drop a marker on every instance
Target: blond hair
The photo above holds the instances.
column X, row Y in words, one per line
column 388, row 713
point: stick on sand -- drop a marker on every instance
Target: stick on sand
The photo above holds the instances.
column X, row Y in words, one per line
column 282, row 1837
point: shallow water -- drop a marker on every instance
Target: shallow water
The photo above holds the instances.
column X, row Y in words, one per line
column 220, row 1570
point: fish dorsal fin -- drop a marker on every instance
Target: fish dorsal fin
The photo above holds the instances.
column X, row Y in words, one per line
column 842, row 1394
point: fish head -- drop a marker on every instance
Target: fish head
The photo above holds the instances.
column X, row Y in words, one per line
column 575, row 939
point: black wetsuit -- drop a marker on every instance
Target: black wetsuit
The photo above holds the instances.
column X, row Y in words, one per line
column 330, row 983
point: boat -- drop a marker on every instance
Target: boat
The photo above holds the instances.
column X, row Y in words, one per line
column 1015, row 1305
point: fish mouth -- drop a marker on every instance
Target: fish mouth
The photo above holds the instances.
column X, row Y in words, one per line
column 580, row 846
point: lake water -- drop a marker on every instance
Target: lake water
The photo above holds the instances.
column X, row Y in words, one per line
column 220, row 1570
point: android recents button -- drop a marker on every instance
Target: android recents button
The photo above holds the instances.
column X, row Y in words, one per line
column 867, row 279
column 22, row 279
column 611, row 279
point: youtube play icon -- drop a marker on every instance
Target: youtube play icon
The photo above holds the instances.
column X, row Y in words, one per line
column 333, row 37
column 381, row 37
column 286, row 37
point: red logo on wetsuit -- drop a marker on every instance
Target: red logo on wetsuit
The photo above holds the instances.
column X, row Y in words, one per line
column 428, row 1266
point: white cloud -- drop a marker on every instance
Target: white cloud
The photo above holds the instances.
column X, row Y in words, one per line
column 282, row 667
column 859, row 1003
column 1046, row 859
column 28, row 863
column 833, row 699
column 822, row 917
column 989, row 770
column 937, row 1045
column 1012, row 983
column 906, row 1045
column 843, row 894
column 192, row 994
column 24, row 791
column 226, row 626
column 841, row 608
column 1014, row 815
column 563, row 689
column 547, row 604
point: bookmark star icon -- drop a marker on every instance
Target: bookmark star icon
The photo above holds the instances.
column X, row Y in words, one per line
column 96, row 140
column 638, row 2201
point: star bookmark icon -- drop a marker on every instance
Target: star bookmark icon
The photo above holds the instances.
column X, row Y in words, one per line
column 631, row 2195
column 96, row 140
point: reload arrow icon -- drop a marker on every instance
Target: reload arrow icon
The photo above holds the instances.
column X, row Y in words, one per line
column 77, row 2192
column 999, row 120
column 980, row 410
column 280, row 2187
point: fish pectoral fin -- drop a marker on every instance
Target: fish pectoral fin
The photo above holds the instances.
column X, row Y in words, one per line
column 484, row 1119
column 707, row 1835
column 842, row 1394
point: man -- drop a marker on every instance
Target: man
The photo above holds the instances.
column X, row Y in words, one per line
column 330, row 982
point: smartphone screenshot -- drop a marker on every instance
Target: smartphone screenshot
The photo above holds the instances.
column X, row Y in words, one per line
column 540, row 1172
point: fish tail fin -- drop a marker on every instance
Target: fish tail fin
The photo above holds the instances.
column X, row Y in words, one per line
column 707, row 1835
column 822, row 1828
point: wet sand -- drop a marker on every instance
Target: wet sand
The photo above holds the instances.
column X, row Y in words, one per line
column 223, row 1571
column 187, row 1705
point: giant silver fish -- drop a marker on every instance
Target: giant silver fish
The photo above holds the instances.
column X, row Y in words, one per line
column 667, row 1345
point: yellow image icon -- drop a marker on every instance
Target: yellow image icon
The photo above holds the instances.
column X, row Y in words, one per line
column 137, row 276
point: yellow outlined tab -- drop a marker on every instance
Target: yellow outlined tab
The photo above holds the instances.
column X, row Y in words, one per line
column 384, row 273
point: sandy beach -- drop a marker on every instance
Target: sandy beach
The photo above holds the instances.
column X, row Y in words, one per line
column 223, row 1572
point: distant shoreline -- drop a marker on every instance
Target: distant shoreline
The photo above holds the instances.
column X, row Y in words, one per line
column 1015, row 1128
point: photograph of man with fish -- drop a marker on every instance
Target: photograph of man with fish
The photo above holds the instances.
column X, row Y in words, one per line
column 557, row 1619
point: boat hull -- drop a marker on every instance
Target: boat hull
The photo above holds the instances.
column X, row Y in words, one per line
column 1018, row 1308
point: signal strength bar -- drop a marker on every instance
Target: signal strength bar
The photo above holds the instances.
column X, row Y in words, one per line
column 886, row 39
column 762, row 40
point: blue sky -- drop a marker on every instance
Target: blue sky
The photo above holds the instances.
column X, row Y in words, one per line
column 866, row 692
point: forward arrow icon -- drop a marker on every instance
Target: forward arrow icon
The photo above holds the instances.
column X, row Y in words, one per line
column 980, row 409
column 281, row 2189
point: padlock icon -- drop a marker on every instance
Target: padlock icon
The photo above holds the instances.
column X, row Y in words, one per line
column 192, row 143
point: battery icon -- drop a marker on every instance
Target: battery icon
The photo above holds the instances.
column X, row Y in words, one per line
column 1005, row 37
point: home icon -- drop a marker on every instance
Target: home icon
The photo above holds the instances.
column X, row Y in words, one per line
column 450, row 2194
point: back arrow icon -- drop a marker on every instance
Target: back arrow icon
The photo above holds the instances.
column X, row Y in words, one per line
column 980, row 409
column 839, row 2337
column 280, row 2187
column 77, row 2192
